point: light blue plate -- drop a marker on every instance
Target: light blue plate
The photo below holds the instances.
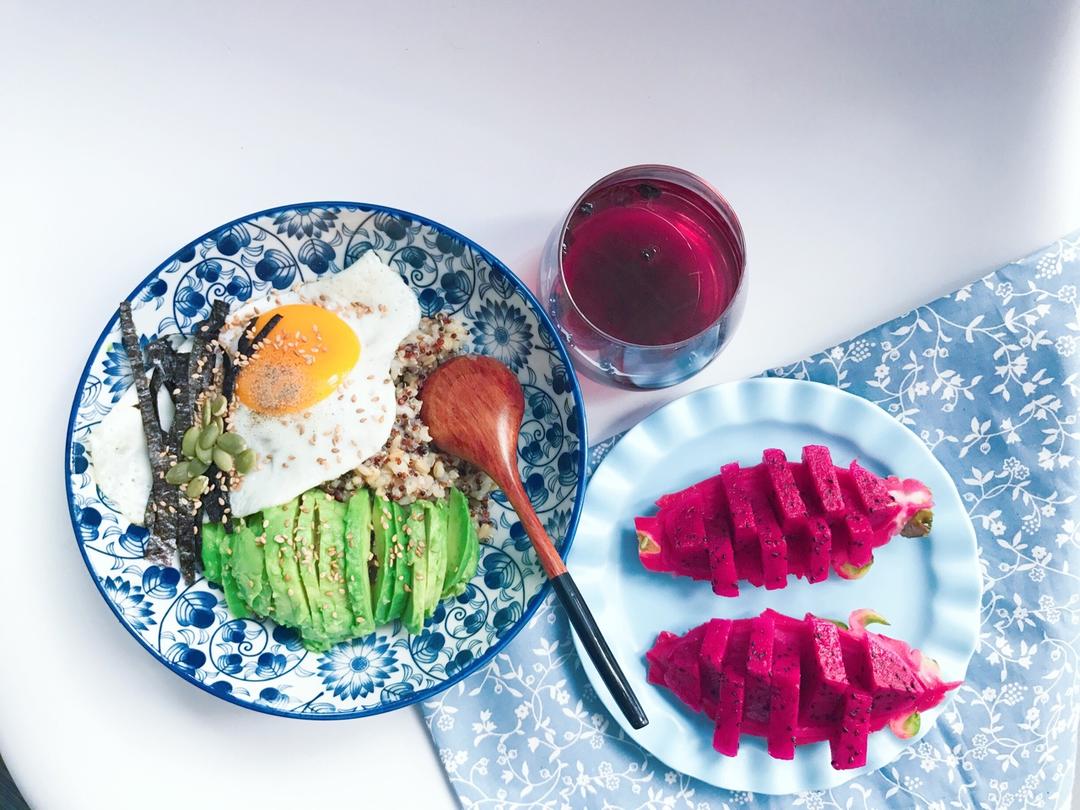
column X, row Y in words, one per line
column 257, row 664
column 928, row 589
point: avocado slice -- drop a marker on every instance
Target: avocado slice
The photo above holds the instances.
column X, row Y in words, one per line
column 211, row 553
column 282, row 572
column 249, row 568
column 472, row 559
column 330, row 541
column 402, row 580
column 357, row 557
column 384, row 522
column 228, row 581
column 307, row 560
column 462, row 545
column 437, row 522
column 415, row 531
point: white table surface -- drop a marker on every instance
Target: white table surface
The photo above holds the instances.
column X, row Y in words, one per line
column 878, row 155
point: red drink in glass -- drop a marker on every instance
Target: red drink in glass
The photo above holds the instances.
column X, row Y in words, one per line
column 643, row 276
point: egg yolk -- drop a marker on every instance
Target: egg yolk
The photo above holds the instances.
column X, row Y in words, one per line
column 302, row 361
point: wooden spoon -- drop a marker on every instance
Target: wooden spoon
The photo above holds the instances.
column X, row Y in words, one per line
column 473, row 406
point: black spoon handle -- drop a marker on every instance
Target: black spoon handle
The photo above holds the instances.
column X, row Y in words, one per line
column 599, row 652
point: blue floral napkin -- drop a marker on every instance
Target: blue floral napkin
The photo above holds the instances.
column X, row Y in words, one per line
column 989, row 377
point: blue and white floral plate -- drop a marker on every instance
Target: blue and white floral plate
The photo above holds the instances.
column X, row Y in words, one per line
column 262, row 666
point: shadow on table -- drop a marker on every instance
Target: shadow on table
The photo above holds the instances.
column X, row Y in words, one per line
column 9, row 794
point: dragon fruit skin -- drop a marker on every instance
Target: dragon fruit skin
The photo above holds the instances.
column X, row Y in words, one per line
column 781, row 518
column 799, row 681
column 905, row 680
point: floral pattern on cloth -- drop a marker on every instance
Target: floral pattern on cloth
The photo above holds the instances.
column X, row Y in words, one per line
column 989, row 377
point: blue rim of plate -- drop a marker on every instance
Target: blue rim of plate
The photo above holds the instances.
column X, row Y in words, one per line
column 582, row 458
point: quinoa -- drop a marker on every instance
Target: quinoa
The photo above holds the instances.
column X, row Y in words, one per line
column 408, row 467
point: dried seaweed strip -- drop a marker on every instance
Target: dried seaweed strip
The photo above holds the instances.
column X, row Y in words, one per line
column 262, row 334
column 228, row 376
column 197, row 378
column 245, row 348
column 160, row 521
column 173, row 364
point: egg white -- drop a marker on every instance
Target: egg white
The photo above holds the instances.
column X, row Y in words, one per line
column 301, row 450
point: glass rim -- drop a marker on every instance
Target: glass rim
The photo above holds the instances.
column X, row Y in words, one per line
column 648, row 171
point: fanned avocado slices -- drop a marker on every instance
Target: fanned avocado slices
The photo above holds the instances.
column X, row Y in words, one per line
column 437, row 521
column 307, row 560
column 282, row 572
column 211, row 552
column 384, row 523
column 228, row 580
column 357, row 558
column 330, row 542
column 415, row 593
column 249, row 568
column 334, row 571
column 402, row 580
column 462, row 545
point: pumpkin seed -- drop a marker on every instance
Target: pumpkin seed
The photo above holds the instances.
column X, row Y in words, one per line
column 196, row 467
column 197, row 487
column 207, row 415
column 179, row 473
column 218, row 405
column 232, row 443
column 209, row 436
column 245, row 461
column 223, row 460
column 187, row 446
column 204, row 454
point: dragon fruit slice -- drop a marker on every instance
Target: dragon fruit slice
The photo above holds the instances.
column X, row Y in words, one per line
column 759, row 659
column 848, row 744
column 784, row 694
column 724, row 577
column 825, row 682
column 799, row 681
column 780, row 518
column 713, row 646
column 818, row 463
column 744, row 535
column 771, row 541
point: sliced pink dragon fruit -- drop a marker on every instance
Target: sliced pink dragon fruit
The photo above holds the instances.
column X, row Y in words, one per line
column 781, row 518
column 772, row 544
column 798, row 681
column 731, row 701
column 848, row 742
column 744, row 534
column 722, row 573
column 759, row 659
column 902, row 680
column 713, row 646
column 818, row 463
column 784, row 694
column 825, row 681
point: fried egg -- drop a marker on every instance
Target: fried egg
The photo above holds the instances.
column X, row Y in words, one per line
column 316, row 399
